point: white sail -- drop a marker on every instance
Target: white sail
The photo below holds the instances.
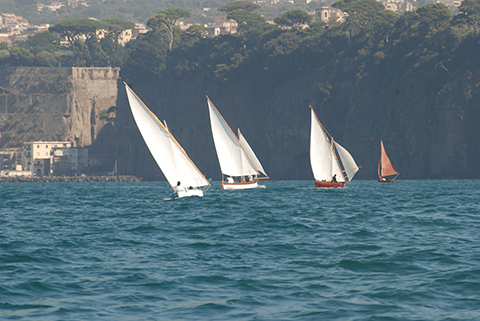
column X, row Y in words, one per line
column 322, row 159
column 348, row 162
column 250, row 153
column 232, row 157
column 169, row 155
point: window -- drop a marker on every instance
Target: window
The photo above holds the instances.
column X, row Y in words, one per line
column 46, row 154
column 46, row 146
column 38, row 154
column 38, row 146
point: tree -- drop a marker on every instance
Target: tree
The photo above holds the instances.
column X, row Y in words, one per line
column 246, row 19
column 198, row 30
column 74, row 28
column 470, row 9
column 98, row 57
column 367, row 17
column 43, row 41
column 239, row 5
column 20, row 56
column 435, row 15
column 116, row 53
column 293, row 18
column 164, row 22
column 116, row 26
column 46, row 59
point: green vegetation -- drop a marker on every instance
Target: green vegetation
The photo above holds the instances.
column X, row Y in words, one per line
column 372, row 40
column 81, row 47
column 372, row 43
column 239, row 5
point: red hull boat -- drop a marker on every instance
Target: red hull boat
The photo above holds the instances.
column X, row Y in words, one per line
column 329, row 184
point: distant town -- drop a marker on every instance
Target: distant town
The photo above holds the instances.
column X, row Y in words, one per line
column 15, row 28
column 44, row 159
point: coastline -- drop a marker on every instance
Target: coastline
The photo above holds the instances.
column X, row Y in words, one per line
column 68, row 179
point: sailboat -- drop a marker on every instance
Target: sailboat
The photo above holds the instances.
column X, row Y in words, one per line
column 236, row 157
column 326, row 167
column 167, row 152
column 385, row 167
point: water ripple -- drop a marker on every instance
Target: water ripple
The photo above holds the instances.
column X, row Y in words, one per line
column 108, row 251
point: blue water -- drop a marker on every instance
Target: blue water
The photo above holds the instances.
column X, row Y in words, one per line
column 120, row 251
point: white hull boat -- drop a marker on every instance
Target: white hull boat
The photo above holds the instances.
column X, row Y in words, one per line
column 236, row 157
column 171, row 158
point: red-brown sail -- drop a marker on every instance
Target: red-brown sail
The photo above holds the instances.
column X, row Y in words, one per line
column 385, row 166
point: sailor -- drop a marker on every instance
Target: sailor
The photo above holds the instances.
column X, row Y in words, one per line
column 178, row 188
column 230, row 180
column 334, row 178
column 250, row 178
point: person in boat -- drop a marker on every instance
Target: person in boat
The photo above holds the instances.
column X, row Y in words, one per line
column 178, row 187
column 250, row 178
column 230, row 180
column 334, row 178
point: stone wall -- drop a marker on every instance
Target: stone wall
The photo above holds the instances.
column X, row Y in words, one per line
column 61, row 104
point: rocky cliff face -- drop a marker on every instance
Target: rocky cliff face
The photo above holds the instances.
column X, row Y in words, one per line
column 430, row 128
column 62, row 104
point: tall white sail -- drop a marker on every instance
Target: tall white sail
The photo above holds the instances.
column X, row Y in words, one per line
column 351, row 168
column 232, row 157
column 169, row 155
column 322, row 159
column 250, row 153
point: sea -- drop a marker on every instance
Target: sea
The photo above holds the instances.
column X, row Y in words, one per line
column 409, row 250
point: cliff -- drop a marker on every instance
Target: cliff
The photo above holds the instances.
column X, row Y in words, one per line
column 60, row 104
column 429, row 126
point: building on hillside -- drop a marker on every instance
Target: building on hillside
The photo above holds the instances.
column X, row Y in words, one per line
column 329, row 15
column 222, row 26
column 7, row 158
column 398, row 6
column 54, row 6
column 9, row 20
column 68, row 161
column 35, row 156
column 49, row 158
column 21, row 38
column 124, row 37
column 5, row 38
column 139, row 29
column 183, row 26
column 74, row 4
column 40, row 28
